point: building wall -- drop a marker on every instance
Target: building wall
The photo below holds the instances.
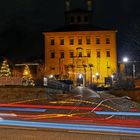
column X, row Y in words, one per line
column 104, row 66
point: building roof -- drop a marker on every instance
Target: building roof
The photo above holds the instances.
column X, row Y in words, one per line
column 79, row 27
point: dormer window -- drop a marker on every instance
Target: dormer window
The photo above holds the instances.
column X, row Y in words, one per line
column 79, row 19
column 72, row 19
column 85, row 19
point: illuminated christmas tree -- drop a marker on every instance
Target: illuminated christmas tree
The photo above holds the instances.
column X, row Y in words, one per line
column 27, row 77
column 5, row 70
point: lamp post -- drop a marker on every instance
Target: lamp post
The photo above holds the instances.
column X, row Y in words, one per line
column 125, row 61
column 133, row 63
column 90, row 65
column 84, row 77
column 109, row 99
column 97, row 77
column 134, row 71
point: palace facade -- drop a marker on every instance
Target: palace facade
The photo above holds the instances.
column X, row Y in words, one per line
column 80, row 51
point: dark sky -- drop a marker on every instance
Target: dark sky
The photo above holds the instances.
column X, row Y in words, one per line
column 23, row 21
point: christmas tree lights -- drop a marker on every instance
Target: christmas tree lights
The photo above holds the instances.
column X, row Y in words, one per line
column 5, row 70
column 27, row 77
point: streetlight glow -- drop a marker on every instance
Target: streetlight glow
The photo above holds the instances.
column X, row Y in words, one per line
column 51, row 76
column 97, row 74
column 112, row 76
column 125, row 59
column 80, row 76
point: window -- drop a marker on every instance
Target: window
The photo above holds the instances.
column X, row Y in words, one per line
column 62, row 54
column 87, row 40
column 97, row 40
column 71, row 54
column 52, row 68
column 85, row 18
column 98, row 54
column 72, row 41
column 88, row 53
column 80, row 54
column 52, row 55
column 72, row 19
column 108, row 40
column 52, row 41
column 80, row 41
column 107, row 53
column 79, row 18
column 62, row 41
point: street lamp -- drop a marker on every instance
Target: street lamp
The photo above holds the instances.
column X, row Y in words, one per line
column 134, row 71
column 109, row 99
column 81, row 77
column 90, row 65
column 125, row 60
column 97, row 77
column 84, row 77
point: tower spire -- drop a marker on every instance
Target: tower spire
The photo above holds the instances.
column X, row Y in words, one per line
column 67, row 5
column 89, row 4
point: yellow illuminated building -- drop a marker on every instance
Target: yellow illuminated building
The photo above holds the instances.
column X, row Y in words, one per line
column 79, row 49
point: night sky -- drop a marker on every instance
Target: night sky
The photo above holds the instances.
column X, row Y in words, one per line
column 23, row 21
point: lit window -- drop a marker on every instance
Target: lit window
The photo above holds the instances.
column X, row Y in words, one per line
column 52, row 68
column 52, row 55
column 52, row 42
column 71, row 41
column 107, row 53
column 87, row 40
column 79, row 41
column 80, row 54
column 62, row 41
column 107, row 40
column 62, row 54
column 71, row 54
column 98, row 54
column 88, row 53
column 97, row 40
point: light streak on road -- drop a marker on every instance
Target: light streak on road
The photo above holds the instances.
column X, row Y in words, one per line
column 29, row 100
column 8, row 114
column 67, row 126
column 48, row 106
column 48, row 116
column 77, row 118
column 61, row 102
column 93, row 103
column 22, row 109
column 118, row 113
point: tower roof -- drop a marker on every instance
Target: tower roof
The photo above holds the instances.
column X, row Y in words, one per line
column 78, row 10
column 78, row 15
